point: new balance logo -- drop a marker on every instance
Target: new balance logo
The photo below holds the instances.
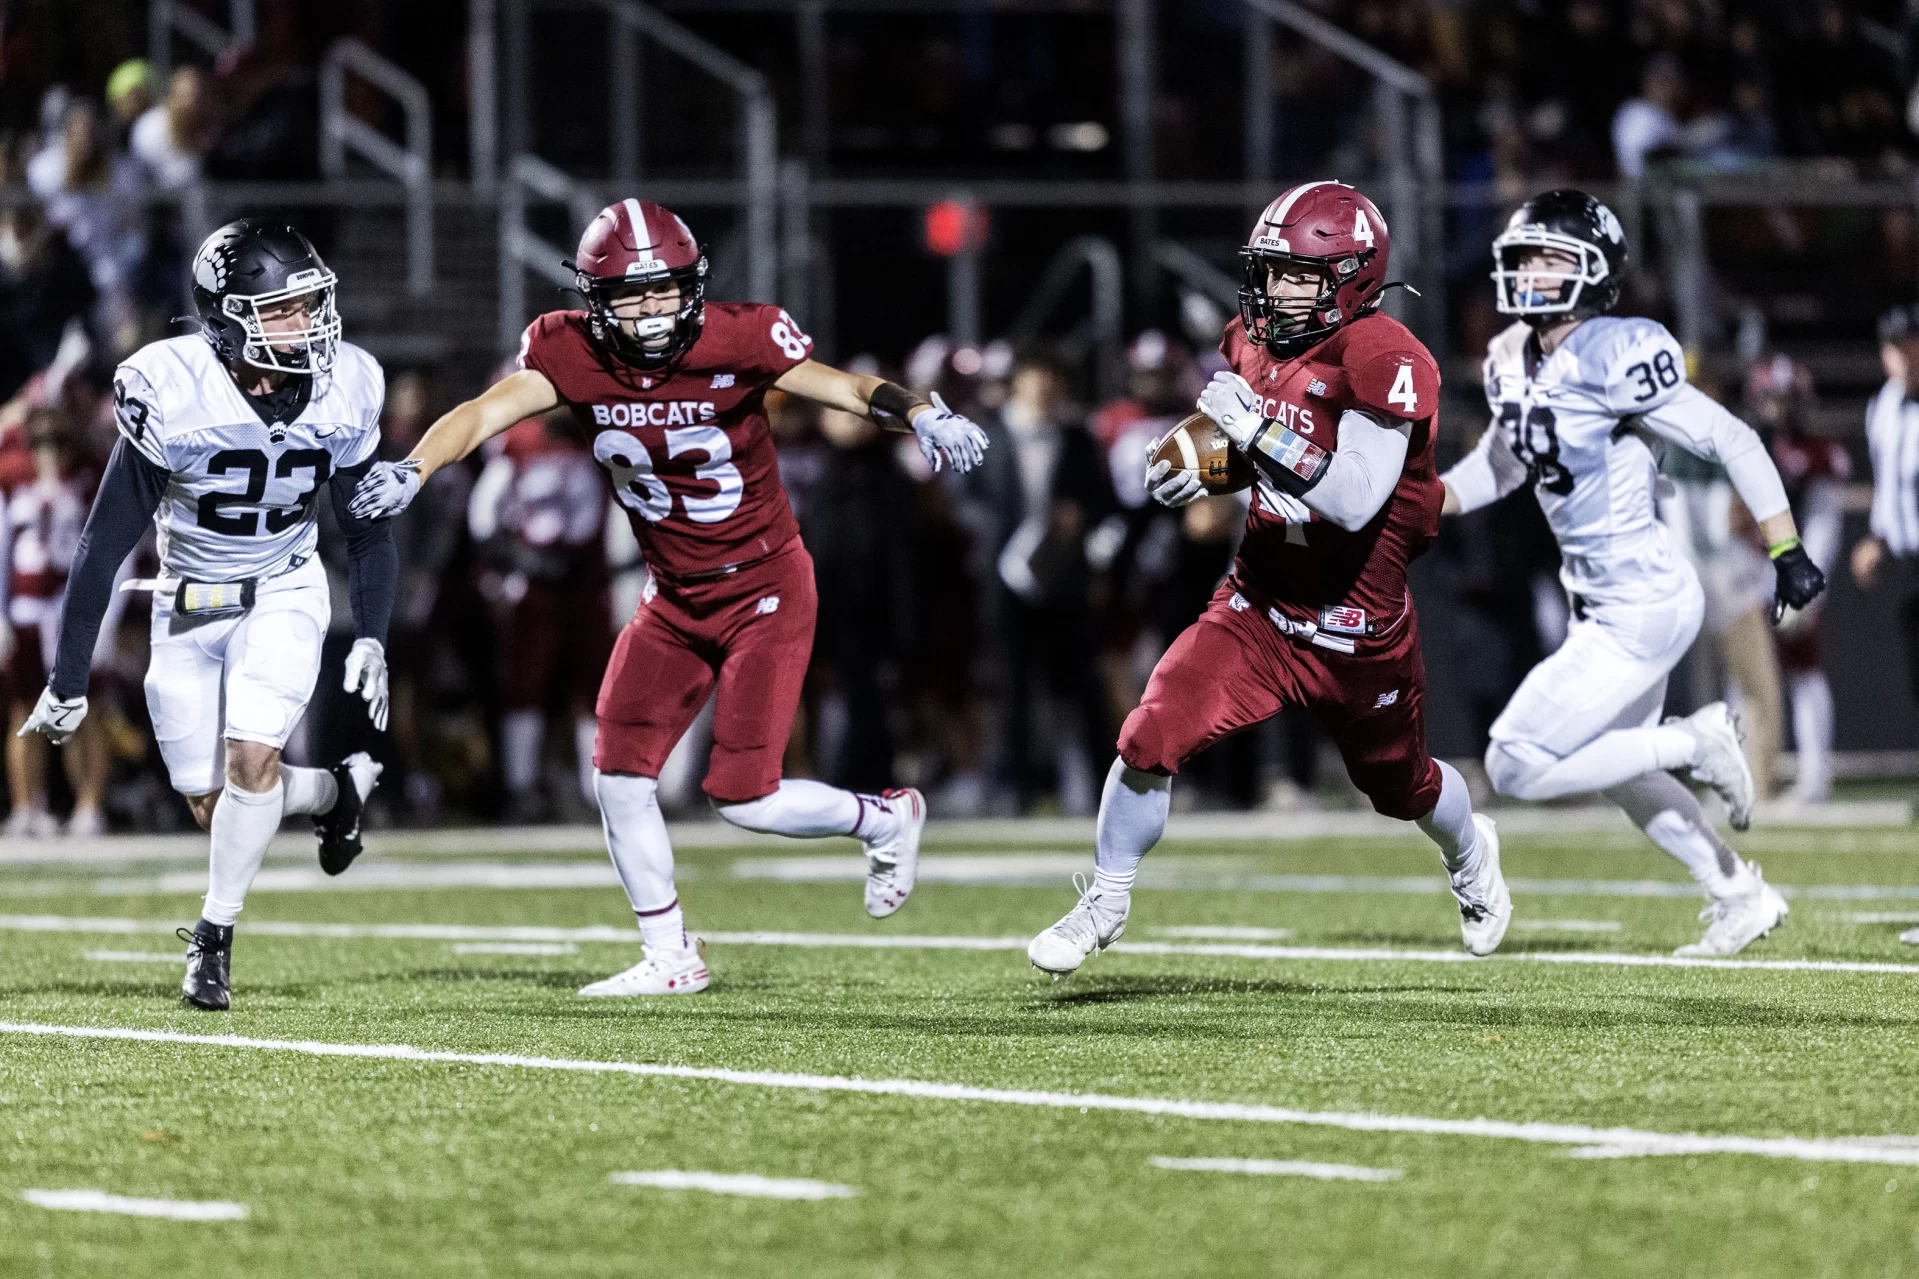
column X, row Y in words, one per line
column 768, row 604
column 1315, row 387
column 1237, row 603
column 722, row 380
column 1386, row 699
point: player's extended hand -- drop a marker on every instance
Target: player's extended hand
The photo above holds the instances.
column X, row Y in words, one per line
column 386, row 490
column 942, row 431
column 1231, row 402
column 1169, row 487
column 55, row 718
column 1799, row 581
column 366, row 675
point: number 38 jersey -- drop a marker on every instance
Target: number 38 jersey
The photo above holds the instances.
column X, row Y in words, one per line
column 1570, row 421
column 688, row 450
column 241, row 499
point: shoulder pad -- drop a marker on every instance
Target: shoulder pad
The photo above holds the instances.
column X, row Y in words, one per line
column 1397, row 380
column 1637, row 365
column 143, row 385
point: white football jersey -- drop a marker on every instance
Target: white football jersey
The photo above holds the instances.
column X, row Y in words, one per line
column 243, row 493
column 1573, row 423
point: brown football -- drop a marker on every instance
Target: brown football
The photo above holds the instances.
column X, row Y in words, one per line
column 1197, row 444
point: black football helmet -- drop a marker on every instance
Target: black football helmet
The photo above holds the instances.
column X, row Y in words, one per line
column 1575, row 224
column 256, row 263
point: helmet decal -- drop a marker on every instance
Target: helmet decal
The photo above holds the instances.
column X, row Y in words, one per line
column 1323, row 229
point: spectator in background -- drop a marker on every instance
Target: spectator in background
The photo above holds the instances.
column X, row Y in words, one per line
column 46, row 488
column 129, row 95
column 1892, row 435
column 172, row 139
column 93, row 196
column 43, row 287
column 1647, row 127
column 1032, row 504
column 1779, row 402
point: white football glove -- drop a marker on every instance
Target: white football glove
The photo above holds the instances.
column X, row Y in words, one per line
column 386, row 490
column 1231, row 402
column 55, row 718
column 942, row 431
column 366, row 675
column 1169, row 487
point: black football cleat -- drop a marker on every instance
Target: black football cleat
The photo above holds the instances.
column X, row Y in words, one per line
column 209, row 960
column 339, row 827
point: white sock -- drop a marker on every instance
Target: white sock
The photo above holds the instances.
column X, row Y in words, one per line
column 1671, row 817
column 636, row 840
column 243, row 824
column 1522, row 771
column 1450, row 824
column 308, row 790
column 1812, row 732
column 520, row 740
column 1132, row 817
column 586, row 731
column 810, row 810
column 664, row 929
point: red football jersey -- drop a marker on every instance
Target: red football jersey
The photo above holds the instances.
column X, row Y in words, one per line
column 44, row 521
column 1807, row 459
column 688, row 451
column 1346, row 583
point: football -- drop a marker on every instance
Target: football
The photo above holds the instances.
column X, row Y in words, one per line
column 1197, row 444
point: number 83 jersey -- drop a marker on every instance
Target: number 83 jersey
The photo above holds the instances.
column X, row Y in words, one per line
column 1571, row 420
column 241, row 499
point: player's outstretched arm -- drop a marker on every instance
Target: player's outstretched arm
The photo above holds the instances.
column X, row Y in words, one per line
column 129, row 494
column 373, row 580
column 390, row 486
column 943, row 434
column 1486, row 474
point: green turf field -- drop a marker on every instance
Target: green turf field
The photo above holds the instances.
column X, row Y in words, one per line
column 369, row 1164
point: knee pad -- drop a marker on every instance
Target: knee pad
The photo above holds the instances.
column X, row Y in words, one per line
column 1513, row 767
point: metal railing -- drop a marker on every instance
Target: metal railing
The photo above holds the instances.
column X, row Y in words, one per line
column 411, row 165
column 167, row 18
column 756, row 189
column 1105, row 323
column 520, row 248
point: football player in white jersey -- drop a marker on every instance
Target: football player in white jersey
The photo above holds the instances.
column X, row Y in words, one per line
column 227, row 438
column 1582, row 404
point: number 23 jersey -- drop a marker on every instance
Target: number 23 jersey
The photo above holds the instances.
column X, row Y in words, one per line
column 1569, row 419
column 688, row 450
column 242, row 492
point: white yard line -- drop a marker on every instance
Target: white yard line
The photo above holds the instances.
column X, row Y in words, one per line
column 135, row 957
column 1225, row 932
column 1836, row 1150
column 101, row 1201
column 1567, row 925
column 748, row 1184
column 1278, row 1168
column 1882, row 917
column 900, row 941
column 515, row 948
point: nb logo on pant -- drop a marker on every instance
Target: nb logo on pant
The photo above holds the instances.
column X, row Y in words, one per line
column 1386, row 699
column 768, row 604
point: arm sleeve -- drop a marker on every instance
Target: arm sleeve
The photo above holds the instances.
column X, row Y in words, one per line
column 1363, row 473
column 372, row 564
column 129, row 495
column 1488, row 473
column 1701, row 425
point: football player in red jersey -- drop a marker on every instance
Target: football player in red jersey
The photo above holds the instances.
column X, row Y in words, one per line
column 1335, row 404
column 669, row 389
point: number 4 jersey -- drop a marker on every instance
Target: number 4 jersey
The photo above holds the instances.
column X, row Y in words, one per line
column 688, row 449
column 241, row 492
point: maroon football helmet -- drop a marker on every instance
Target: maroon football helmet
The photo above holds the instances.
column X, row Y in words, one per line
column 1325, row 228
column 638, row 243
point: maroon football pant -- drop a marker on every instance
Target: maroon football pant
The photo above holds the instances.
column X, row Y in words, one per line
column 558, row 636
column 749, row 632
column 1233, row 668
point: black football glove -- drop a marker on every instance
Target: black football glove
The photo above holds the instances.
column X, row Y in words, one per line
column 1799, row 580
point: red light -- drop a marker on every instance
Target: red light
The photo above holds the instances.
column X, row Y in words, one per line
column 953, row 226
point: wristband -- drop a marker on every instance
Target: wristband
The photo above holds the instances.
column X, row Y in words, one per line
column 1780, row 548
column 892, row 401
column 1290, row 460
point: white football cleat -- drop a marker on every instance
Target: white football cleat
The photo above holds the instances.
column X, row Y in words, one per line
column 1733, row 923
column 893, row 865
column 1720, row 763
column 30, row 823
column 665, row 972
column 1910, row 937
column 86, row 823
column 1090, row 927
column 1485, row 905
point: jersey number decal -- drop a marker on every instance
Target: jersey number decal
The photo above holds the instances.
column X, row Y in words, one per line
column 133, row 412
column 212, row 518
column 787, row 336
column 1362, row 229
column 1537, row 444
column 1402, row 393
column 1660, row 375
column 640, row 489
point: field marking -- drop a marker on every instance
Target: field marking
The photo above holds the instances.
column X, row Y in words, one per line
column 135, row 957
column 751, row 1185
column 1567, row 925
column 1828, row 1150
column 170, row 1209
column 1225, row 932
column 1882, row 917
column 1278, row 1168
column 515, row 948
column 890, row 941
